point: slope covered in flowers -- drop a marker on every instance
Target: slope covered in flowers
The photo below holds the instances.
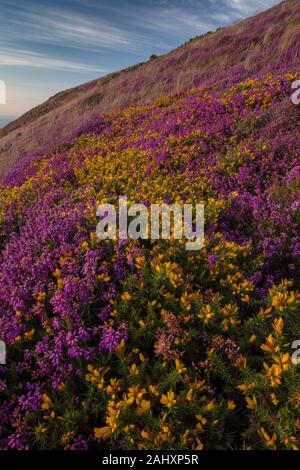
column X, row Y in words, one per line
column 140, row 344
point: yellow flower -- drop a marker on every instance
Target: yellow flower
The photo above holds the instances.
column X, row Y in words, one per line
column 129, row 427
column 153, row 390
column 271, row 345
column 269, row 441
column 114, row 411
column 252, row 339
column 61, row 386
column 251, row 402
column 135, row 394
column 246, row 387
column 57, row 273
column 103, row 277
column 241, row 362
column 168, row 400
column 278, row 326
column 140, row 262
column 265, row 312
column 190, row 395
column 126, row 296
column 40, row 429
column 165, row 429
column 41, row 296
column 47, row 403
column 142, row 357
column 274, row 399
column 29, row 334
column 273, row 374
column 144, row 407
column 121, row 346
column 296, row 398
column 114, row 386
column 211, row 405
column 199, row 445
column 102, row 433
column 279, row 301
column 290, row 441
column 145, row 435
column 231, row 405
column 201, row 423
column 206, row 314
column 133, row 370
column 85, row 246
column 96, row 376
column 283, row 361
column 65, row 438
column 179, row 367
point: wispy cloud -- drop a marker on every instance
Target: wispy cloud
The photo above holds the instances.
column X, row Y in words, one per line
column 58, row 26
column 248, row 7
column 31, row 59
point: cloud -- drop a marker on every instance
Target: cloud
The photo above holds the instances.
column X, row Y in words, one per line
column 244, row 8
column 187, row 17
column 31, row 59
column 58, row 26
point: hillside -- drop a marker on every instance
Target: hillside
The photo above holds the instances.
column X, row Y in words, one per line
column 220, row 58
column 142, row 344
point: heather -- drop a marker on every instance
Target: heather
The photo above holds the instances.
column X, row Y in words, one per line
column 142, row 344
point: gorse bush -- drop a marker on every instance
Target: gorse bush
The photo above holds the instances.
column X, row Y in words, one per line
column 142, row 344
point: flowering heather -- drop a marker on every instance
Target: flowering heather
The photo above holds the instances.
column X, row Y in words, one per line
column 144, row 345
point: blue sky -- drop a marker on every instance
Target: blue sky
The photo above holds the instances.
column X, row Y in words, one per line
column 50, row 45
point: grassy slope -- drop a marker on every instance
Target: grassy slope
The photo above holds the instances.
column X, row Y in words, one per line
column 246, row 46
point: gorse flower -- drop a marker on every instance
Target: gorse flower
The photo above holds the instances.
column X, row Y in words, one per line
column 251, row 402
column 47, row 403
column 269, row 441
column 168, row 400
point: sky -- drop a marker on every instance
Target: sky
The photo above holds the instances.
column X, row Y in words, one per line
column 50, row 45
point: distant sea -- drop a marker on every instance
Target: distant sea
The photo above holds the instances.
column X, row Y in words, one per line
column 6, row 119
